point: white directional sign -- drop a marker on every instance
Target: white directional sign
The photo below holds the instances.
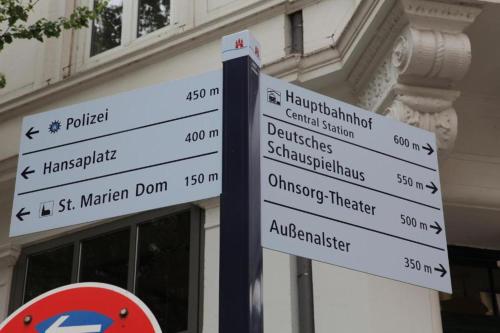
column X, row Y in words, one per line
column 349, row 187
column 134, row 151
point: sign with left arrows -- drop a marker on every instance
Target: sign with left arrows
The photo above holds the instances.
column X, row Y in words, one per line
column 135, row 151
column 83, row 308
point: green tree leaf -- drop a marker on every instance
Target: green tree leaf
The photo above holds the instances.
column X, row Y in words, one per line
column 14, row 16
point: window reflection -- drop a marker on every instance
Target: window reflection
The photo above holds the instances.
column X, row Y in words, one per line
column 470, row 292
column 48, row 270
column 473, row 306
column 107, row 29
column 105, row 259
column 152, row 15
column 156, row 254
column 496, row 289
column 162, row 270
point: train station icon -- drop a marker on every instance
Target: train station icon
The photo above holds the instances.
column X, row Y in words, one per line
column 273, row 96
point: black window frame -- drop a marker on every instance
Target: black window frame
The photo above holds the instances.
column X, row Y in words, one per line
column 488, row 260
column 131, row 222
column 130, row 13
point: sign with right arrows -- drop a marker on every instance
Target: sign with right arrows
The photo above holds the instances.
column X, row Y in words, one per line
column 349, row 187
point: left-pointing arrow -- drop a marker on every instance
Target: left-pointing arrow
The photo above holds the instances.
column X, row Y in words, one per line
column 26, row 172
column 57, row 328
column 30, row 133
column 22, row 213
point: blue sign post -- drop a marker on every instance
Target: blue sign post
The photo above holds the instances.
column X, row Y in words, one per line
column 240, row 292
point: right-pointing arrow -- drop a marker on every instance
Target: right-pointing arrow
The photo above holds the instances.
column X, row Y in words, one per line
column 436, row 227
column 22, row 213
column 441, row 270
column 428, row 148
column 432, row 186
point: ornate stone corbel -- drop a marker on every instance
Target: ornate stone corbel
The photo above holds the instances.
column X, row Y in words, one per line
column 427, row 108
column 413, row 81
column 433, row 57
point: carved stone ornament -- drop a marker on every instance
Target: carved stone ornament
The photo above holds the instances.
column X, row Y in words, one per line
column 401, row 53
column 382, row 81
column 432, row 55
column 443, row 123
column 413, row 79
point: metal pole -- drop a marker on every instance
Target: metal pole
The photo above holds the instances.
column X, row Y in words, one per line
column 240, row 284
column 305, row 295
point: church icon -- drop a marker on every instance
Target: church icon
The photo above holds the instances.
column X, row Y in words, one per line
column 46, row 208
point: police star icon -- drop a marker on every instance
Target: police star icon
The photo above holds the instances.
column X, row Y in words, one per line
column 54, row 126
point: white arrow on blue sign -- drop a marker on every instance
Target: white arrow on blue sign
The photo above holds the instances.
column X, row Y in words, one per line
column 75, row 322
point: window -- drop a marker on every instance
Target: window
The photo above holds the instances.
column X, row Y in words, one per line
column 152, row 15
column 107, row 29
column 111, row 28
column 474, row 305
column 295, row 33
column 155, row 256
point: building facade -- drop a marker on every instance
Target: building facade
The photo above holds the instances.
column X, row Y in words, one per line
column 430, row 64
